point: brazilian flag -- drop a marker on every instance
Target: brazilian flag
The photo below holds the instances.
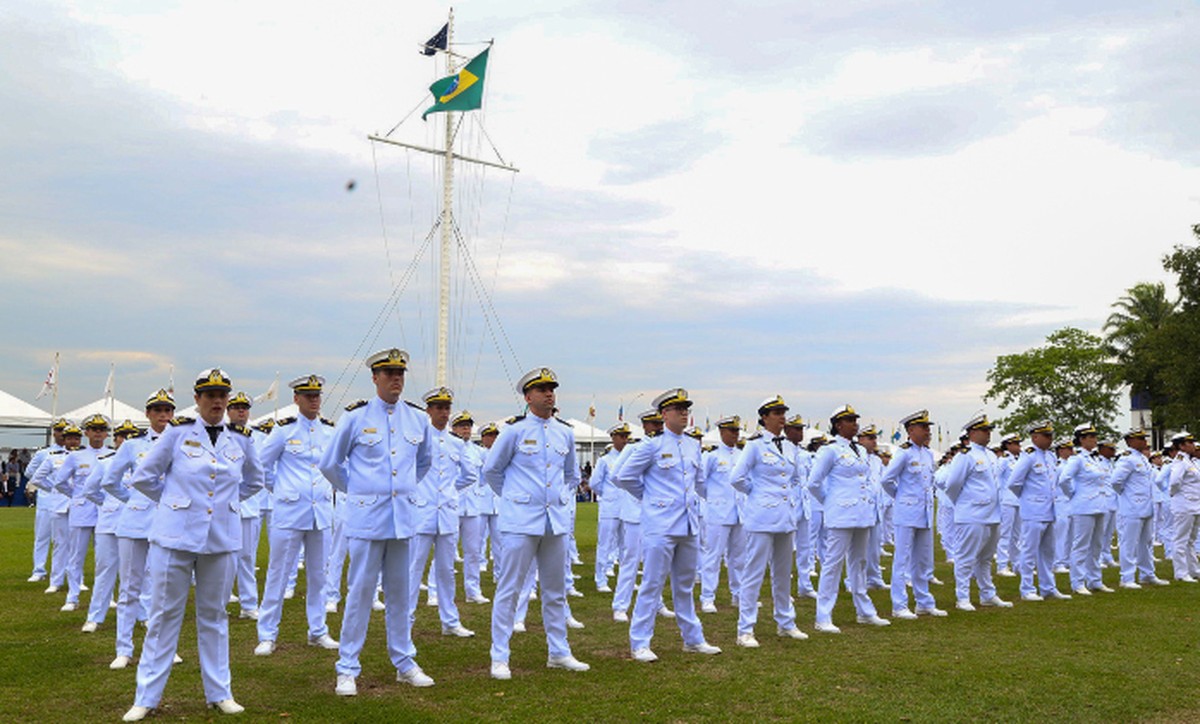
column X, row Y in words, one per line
column 461, row 92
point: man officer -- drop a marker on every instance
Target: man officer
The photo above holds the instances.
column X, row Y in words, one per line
column 69, row 481
column 908, row 479
column 377, row 454
column 43, row 517
column 1133, row 480
column 609, row 530
column 663, row 473
column 1033, row 480
column 726, row 536
column 532, row 469
column 303, row 513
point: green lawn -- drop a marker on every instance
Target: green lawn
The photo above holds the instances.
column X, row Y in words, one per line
column 1131, row 655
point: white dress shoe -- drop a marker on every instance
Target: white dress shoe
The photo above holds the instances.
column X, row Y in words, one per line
column 620, row 617
column 177, row 660
column 331, row 607
column 1103, row 589
column 35, row 578
column 518, row 627
column 665, row 612
column 501, row 671
column 701, row 648
column 1062, row 569
column 964, row 604
column 708, row 607
column 1081, row 591
column 873, row 620
column 644, row 655
column 603, row 589
column 1157, row 582
column 570, row 663
column 120, row 662
column 84, row 587
column 264, row 648
column 415, row 677
column 1186, row 579
column 136, row 713
column 252, row 614
column 533, row 596
column 574, row 593
column 68, row 606
column 935, row 581
column 791, row 633
column 431, row 601
column 1006, row 572
column 1058, row 595
column 479, row 599
column 89, row 627
column 324, row 641
column 1031, row 597
column 378, row 605
column 346, row 686
column 827, row 628
column 289, row 594
column 935, row 612
column 228, row 706
column 996, row 602
column 1131, row 585
column 747, row 641
column 233, row 598
column 903, row 613
column 54, row 589
column 457, row 630
column 810, row 593
column 573, row 622
column 112, row 605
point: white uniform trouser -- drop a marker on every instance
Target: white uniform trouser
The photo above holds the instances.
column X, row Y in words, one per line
column 490, row 533
column 1062, row 539
column 804, row 556
column 724, row 542
column 912, row 562
column 132, row 552
column 948, row 531
column 1108, row 529
column 874, row 554
column 170, row 583
column 369, row 559
column 1008, row 549
column 81, row 537
column 285, row 548
column 608, row 546
column 627, row 574
column 817, row 536
column 520, row 550
column 976, row 546
column 335, row 562
column 761, row 549
column 60, row 556
column 243, row 564
column 1088, row 529
column 1037, row 555
column 108, row 562
column 1183, row 557
column 470, row 530
column 441, row 574
column 1163, row 526
column 663, row 555
column 41, row 539
column 844, row 546
column 1137, row 556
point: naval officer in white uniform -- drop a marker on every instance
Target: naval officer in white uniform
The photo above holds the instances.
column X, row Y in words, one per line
column 198, row 472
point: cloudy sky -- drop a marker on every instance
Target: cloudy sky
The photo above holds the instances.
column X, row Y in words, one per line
column 861, row 202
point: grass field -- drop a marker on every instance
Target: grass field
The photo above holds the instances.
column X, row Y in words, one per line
column 1131, row 655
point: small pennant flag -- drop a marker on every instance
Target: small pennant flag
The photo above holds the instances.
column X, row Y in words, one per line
column 271, row 393
column 437, row 42
column 110, row 385
column 51, row 383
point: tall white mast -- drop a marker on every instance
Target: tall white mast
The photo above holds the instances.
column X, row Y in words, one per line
column 443, row 334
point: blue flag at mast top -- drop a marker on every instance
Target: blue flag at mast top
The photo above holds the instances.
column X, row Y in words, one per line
column 437, row 42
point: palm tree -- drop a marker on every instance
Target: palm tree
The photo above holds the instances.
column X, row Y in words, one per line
column 1139, row 314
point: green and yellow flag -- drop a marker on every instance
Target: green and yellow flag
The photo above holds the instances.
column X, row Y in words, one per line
column 460, row 92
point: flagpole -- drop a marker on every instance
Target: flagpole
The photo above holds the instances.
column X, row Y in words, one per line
column 54, row 400
column 443, row 338
column 276, row 388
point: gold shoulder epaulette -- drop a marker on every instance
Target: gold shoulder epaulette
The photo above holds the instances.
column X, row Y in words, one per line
column 355, row 405
column 285, row 421
column 242, row 429
column 181, row 420
column 414, row 405
column 556, row 417
column 514, row 418
column 905, row 445
column 327, row 421
column 755, row 436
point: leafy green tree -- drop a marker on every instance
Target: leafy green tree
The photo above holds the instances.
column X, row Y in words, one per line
column 1069, row 380
column 1134, row 334
column 1178, row 344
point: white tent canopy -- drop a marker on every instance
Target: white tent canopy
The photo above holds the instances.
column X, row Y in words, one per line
column 15, row 412
column 288, row 410
column 115, row 409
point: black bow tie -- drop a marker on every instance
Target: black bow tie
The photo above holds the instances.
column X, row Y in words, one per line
column 778, row 442
column 854, row 446
column 213, row 432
